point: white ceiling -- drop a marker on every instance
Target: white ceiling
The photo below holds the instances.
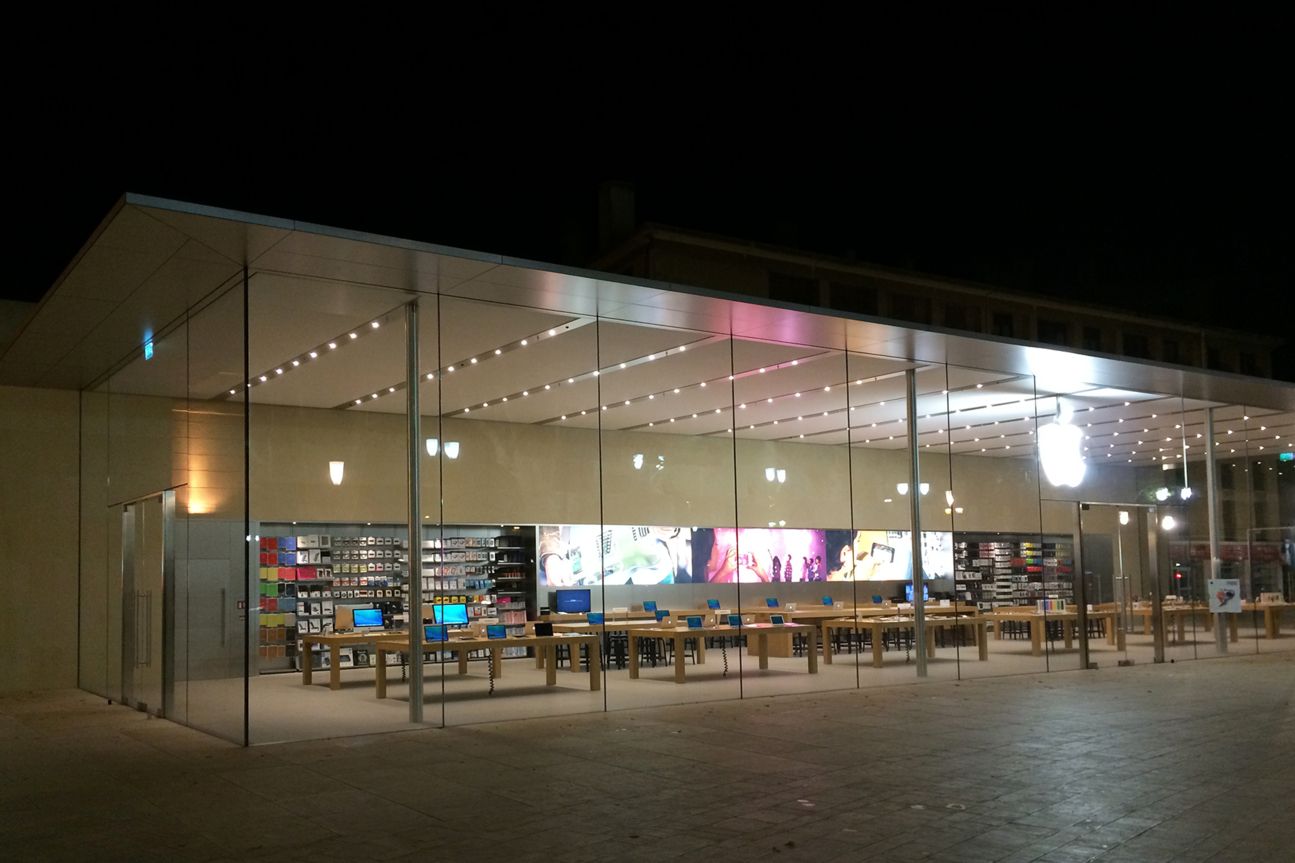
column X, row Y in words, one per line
column 549, row 347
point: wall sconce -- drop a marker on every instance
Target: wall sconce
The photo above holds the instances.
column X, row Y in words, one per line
column 775, row 474
column 335, row 471
column 451, row 448
column 948, row 497
column 902, row 487
column 1124, row 516
column 637, row 461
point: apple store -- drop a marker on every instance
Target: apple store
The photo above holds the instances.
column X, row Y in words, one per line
column 334, row 484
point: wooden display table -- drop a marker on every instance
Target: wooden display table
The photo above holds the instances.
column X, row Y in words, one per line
column 1038, row 622
column 1272, row 616
column 461, row 647
column 762, row 632
column 877, row 626
column 335, row 641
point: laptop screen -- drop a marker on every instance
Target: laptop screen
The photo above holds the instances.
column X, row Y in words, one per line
column 662, row 613
column 694, row 622
column 496, row 630
column 735, row 620
column 649, row 605
column 827, row 600
column 712, row 603
column 594, row 617
column 771, row 601
column 775, row 618
column 543, row 628
column 433, row 632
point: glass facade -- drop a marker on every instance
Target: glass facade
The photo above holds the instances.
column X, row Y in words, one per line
column 629, row 497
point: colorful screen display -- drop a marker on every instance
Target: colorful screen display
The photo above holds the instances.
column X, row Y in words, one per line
column 582, row 554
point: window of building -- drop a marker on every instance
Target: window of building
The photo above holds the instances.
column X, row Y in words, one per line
column 1169, row 351
column 859, row 299
column 1214, row 359
column 1135, row 345
column 960, row 317
column 1053, row 332
column 793, row 289
column 906, row 307
column 1092, row 338
column 1004, row 325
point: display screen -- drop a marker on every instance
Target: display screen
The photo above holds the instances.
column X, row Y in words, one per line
column 649, row 605
column 573, row 601
column 579, row 554
column 455, row 614
column 908, row 593
column 366, row 617
column 496, row 630
column 724, row 555
column 432, row 632
column 662, row 613
column 775, row 619
column 735, row 620
column 771, row 601
column 712, row 603
column 694, row 622
column 594, row 617
column 887, row 555
column 827, row 600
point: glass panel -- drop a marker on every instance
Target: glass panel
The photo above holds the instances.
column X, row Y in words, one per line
column 1011, row 570
column 212, row 565
column 328, row 505
column 794, row 521
column 880, row 540
column 670, row 544
column 1270, row 547
column 519, row 467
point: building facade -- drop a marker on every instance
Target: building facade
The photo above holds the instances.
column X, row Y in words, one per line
column 250, row 453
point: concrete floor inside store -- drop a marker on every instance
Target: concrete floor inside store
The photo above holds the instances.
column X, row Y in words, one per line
column 1191, row 761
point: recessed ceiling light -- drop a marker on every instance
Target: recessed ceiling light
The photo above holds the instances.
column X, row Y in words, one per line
column 263, row 378
column 526, row 393
column 761, row 371
column 553, row 332
column 375, row 395
column 391, row 389
column 622, row 365
column 716, row 410
column 676, row 390
column 359, row 401
column 564, row 416
column 768, row 401
column 548, row 386
column 525, row 343
column 278, row 371
column 355, row 335
column 451, row 368
column 314, row 354
column 473, row 361
column 231, row 392
column 703, row 383
column 569, row 380
column 980, row 386
column 827, row 389
column 683, row 348
column 430, row 376
column 627, row 401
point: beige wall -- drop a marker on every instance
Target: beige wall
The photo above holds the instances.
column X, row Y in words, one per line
column 38, row 533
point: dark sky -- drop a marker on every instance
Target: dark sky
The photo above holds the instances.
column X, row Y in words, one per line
column 1167, row 189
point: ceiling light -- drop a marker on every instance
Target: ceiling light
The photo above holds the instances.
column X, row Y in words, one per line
column 451, row 368
column 296, row 363
column 1168, row 522
column 901, row 487
column 498, row 351
column 622, row 365
column 263, row 378
column 336, row 469
column 332, row 346
column 702, row 384
column 359, row 401
column 451, row 449
column 278, row 371
column 314, row 354
column 525, row 343
column 231, row 392
column 676, row 391
column 355, row 335
column 553, row 332
column 375, row 395
column 1162, row 494
column 473, row 361
column 391, row 389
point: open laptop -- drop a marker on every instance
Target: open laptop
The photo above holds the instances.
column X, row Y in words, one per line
column 649, row 605
column 543, row 627
column 735, row 620
column 694, row 621
column 771, row 601
column 435, row 632
column 712, row 604
column 496, row 630
column 594, row 617
column 776, row 619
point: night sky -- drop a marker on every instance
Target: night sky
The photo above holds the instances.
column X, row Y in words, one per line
column 1158, row 205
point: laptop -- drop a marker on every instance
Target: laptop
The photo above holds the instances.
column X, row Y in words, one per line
column 694, row 622
column 649, row 605
column 661, row 613
column 735, row 620
column 543, row 628
column 827, row 600
column 771, row 601
column 776, row 619
column 496, row 630
column 712, row 604
column 594, row 617
column 434, row 632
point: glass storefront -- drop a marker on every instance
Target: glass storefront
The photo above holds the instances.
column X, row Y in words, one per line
column 626, row 499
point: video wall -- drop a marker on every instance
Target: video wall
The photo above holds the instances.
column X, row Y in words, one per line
column 575, row 555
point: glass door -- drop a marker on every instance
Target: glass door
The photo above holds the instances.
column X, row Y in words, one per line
column 147, row 569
